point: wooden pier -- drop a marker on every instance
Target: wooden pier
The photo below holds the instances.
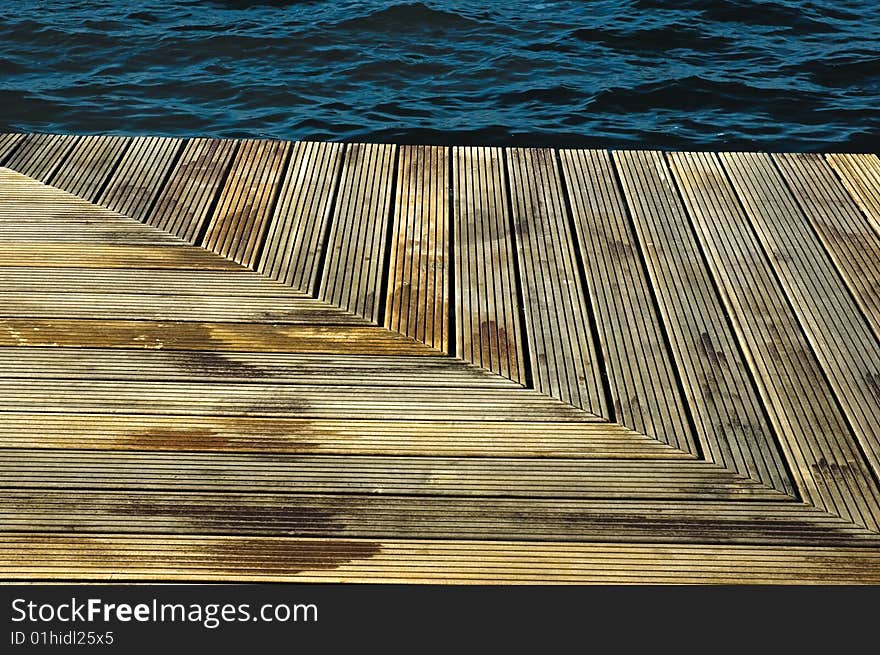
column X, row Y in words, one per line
column 267, row 360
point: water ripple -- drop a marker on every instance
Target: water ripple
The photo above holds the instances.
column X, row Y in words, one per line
column 750, row 74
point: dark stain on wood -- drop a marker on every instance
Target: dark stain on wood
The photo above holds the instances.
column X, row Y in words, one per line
column 259, row 438
column 217, row 365
column 291, row 557
column 716, row 357
column 872, row 380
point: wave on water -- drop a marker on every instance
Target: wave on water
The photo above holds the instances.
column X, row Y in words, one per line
column 699, row 74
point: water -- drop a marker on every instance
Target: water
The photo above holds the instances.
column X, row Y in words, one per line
column 702, row 74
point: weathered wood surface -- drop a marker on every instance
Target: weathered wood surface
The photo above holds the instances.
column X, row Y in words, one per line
column 306, row 361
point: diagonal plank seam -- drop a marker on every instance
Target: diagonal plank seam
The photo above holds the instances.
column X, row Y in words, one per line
column 208, row 218
column 768, row 515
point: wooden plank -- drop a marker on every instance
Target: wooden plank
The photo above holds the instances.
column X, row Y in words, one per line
column 418, row 287
column 845, row 232
column 482, row 477
column 187, row 557
column 352, row 276
column 138, row 180
column 223, row 558
column 295, row 241
column 172, row 306
column 212, row 366
column 40, row 155
column 8, row 143
column 727, row 411
column 643, row 383
column 860, row 174
column 406, row 402
column 416, row 517
column 486, row 303
column 89, row 165
column 118, row 257
column 205, row 335
column 841, row 339
column 135, row 278
column 237, row 226
column 830, row 471
column 469, row 437
column 562, row 354
column 183, row 205
column 37, row 213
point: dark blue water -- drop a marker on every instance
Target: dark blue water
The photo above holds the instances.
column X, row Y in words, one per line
column 777, row 75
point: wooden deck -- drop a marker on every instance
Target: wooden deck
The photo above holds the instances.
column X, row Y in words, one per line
column 261, row 360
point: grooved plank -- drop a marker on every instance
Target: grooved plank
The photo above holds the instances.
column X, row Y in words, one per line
column 132, row 279
column 171, row 306
column 136, row 183
column 8, row 142
column 438, row 517
column 727, row 412
column 561, row 352
column 89, row 164
column 845, row 232
column 470, row 437
column 278, row 368
column 36, row 214
column 237, row 227
column 352, row 277
column 182, row 206
column 417, row 476
column 40, row 155
column 641, row 376
column 418, row 286
column 860, row 174
column 189, row 557
column 296, row 234
column 117, row 257
column 844, row 345
column 831, row 472
column 486, row 305
column 205, row 335
column 281, row 400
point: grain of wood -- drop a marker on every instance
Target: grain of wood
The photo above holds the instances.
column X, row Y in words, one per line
column 209, row 336
column 415, row 517
column 375, row 475
column 8, row 143
column 487, row 308
column 238, row 225
column 183, row 205
column 830, row 470
column 142, row 277
column 405, row 402
column 311, row 369
column 357, row 244
column 845, row 232
column 171, row 306
column 418, row 285
column 860, row 174
column 470, row 437
column 39, row 155
column 295, row 242
column 77, row 255
column 644, row 387
column 89, row 164
column 727, row 411
column 188, row 557
column 562, row 354
column 818, row 295
column 137, row 182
